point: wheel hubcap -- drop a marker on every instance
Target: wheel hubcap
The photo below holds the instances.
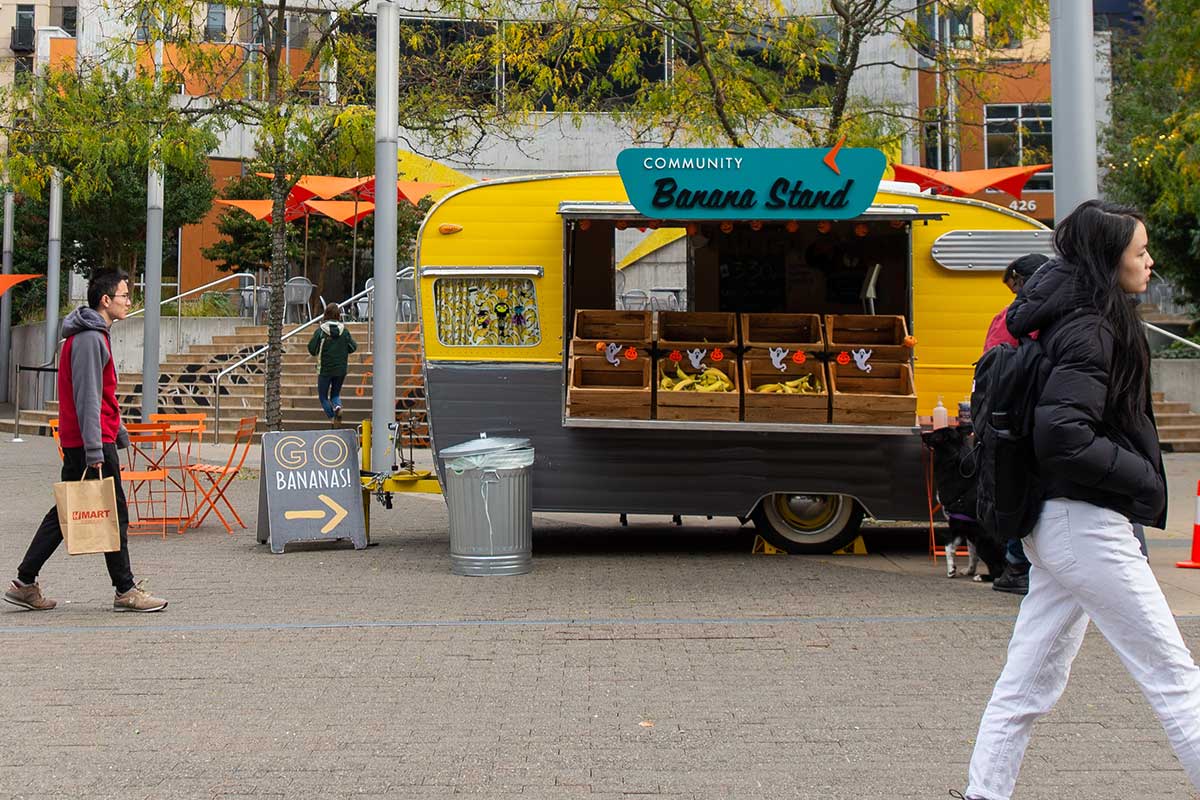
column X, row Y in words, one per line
column 808, row 512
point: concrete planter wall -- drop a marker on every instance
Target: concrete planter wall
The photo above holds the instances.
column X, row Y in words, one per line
column 1177, row 378
column 174, row 336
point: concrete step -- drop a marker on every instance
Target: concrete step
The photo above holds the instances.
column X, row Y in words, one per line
column 1158, row 397
column 1182, row 446
column 181, row 362
column 1167, row 420
column 1172, row 407
column 1175, row 433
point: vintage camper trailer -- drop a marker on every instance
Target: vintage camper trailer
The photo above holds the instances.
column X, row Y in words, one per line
column 526, row 331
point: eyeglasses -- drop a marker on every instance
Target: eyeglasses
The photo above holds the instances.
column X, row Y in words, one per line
column 124, row 295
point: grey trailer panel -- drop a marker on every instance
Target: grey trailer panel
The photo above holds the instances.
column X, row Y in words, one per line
column 667, row 471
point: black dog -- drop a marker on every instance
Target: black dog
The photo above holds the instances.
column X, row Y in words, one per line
column 954, row 476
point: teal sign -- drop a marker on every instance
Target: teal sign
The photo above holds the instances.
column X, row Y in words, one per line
column 745, row 183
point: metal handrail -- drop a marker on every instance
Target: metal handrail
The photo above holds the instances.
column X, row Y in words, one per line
column 253, row 289
column 1170, row 335
column 260, row 351
column 47, row 367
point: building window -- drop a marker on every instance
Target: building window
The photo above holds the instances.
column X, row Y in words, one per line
column 486, row 312
column 214, row 24
column 936, row 146
column 22, row 69
column 66, row 18
column 1019, row 134
column 1001, row 37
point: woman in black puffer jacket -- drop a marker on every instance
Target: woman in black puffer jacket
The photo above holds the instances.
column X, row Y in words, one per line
column 1098, row 455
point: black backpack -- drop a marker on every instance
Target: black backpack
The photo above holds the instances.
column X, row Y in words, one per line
column 1008, row 384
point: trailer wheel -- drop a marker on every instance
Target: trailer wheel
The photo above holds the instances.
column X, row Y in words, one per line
column 808, row 523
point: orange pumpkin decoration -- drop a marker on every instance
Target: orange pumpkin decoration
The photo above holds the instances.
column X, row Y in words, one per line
column 599, row 347
column 631, row 354
column 798, row 357
column 676, row 356
column 910, row 342
column 717, row 354
column 843, row 358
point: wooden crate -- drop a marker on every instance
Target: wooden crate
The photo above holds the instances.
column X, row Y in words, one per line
column 883, row 335
column 704, row 330
column 777, row 407
column 713, row 406
column 603, row 326
column 790, row 331
column 883, row 396
column 599, row 389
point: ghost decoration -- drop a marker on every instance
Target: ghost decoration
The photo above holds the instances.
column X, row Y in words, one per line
column 696, row 357
column 778, row 354
column 611, row 350
column 861, row 358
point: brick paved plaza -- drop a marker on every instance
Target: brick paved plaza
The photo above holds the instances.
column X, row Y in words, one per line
column 645, row 662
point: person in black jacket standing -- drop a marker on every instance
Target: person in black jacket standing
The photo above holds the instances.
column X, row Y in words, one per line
column 1099, row 459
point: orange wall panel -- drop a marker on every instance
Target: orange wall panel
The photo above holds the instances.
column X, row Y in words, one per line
column 194, row 269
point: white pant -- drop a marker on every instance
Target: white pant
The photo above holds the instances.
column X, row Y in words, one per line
column 1086, row 563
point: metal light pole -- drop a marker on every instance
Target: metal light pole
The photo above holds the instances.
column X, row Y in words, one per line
column 387, row 134
column 1073, row 88
column 6, row 300
column 53, row 261
column 152, row 281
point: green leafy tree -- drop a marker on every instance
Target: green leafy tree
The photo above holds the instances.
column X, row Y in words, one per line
column 1154, row 142
column 106, row 228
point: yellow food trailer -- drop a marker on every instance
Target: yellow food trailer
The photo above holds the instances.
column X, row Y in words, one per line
column 696, row 402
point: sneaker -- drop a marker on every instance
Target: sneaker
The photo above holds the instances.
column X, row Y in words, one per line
column 137, row 600
column 28, row 597
column 1013, row 580
column 337, row 413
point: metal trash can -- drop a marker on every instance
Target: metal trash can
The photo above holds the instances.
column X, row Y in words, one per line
column 489, row 496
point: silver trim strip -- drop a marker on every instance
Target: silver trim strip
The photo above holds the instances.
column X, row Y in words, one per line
column 445, row 271
column 753, row 427
column 988, row 250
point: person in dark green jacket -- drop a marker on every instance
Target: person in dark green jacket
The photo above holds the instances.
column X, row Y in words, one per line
column 332, row 344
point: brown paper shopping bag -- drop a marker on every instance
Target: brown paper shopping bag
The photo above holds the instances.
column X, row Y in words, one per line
column 87, row 514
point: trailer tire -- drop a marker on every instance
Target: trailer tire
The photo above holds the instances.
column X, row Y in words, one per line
column 808, row 524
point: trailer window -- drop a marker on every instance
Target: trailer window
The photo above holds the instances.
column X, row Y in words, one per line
column 496, row 312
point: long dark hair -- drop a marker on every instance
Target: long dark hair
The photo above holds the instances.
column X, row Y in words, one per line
column 1093, row 238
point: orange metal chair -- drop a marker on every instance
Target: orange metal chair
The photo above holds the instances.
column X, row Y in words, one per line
column 189, row 431
column 53, row 425
column 219, row 477
column 147, row 444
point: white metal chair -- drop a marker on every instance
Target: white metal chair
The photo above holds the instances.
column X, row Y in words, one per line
column 635, row 300
column 406, row 295
column 297, row 293
column 364, row 302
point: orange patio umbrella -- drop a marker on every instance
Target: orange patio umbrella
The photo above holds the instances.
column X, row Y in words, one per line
column 320, row 186
column 348, row 212
column 9, row 281
column 1007, row 179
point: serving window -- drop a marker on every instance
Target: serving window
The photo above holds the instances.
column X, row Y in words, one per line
column 747, row 322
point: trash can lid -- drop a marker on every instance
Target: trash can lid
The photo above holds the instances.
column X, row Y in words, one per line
column 482, row 445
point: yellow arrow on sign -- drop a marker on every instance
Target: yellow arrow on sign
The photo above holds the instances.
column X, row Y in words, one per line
column 339, row 513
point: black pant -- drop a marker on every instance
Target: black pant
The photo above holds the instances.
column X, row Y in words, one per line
column 49, row 534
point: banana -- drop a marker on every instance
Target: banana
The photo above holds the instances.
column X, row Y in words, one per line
column 683, row 376
column 770, row 388
column 716, row 374
column 687, row 383
column 715, row 386
column 666, row 383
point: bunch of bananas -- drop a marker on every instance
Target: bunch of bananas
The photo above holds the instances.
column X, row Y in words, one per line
column 711, row 380
column 809, row 384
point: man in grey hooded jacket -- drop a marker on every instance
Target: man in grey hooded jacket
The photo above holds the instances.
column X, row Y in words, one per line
column 90, row 432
